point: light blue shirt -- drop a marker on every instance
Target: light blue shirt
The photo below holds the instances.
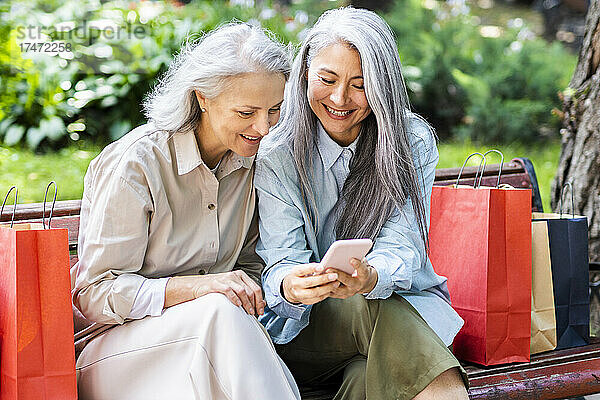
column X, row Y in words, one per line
column 287, row 237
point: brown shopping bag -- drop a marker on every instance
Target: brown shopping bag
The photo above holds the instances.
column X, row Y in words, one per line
column 36, row 325
column 480, row 239
column 568, row 238
column 543, row 320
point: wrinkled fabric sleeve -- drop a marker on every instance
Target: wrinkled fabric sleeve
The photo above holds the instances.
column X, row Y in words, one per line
column 399, row 252
column 113, row 238
column 282, row 242
column 150, row 300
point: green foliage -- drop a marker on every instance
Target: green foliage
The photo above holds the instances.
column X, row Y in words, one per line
column 31, row 172
column 485, row 83
column 118, row 49
column 467, row 83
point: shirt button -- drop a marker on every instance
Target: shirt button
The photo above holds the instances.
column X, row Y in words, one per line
column 211, row 206
column 201, row 272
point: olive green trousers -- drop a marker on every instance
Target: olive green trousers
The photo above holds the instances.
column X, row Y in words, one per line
column 379, row 349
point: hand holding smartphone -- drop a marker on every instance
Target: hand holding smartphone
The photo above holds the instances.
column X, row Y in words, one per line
column 340, row 253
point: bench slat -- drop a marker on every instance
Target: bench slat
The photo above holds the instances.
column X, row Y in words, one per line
column 575, row 380
column 34, row 210
column 551, row 375
column 450, row 174
column 515, row 180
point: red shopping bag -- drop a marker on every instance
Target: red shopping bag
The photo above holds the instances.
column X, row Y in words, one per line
column 36, row 323
column 480, row 239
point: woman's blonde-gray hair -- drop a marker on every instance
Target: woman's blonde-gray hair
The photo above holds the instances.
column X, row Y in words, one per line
column 205, row 65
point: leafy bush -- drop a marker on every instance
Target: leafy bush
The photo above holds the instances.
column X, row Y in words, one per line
column 466, row 83
column 118, row 50
column 485, row 83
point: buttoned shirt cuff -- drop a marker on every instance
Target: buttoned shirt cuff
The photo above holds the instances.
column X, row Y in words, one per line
column 150, row 299
column 275, row 299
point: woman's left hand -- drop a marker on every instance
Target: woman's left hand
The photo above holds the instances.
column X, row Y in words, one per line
column 363, row 280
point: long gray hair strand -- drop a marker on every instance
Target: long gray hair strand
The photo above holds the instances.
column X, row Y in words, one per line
column 382, row 174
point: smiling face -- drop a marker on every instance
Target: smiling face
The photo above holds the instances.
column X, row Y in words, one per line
column 336, row 92
column 240, row 116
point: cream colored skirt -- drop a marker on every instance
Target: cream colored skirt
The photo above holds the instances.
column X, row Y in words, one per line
column 205, row 349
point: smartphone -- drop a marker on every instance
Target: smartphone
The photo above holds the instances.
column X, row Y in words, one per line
column 341, row 251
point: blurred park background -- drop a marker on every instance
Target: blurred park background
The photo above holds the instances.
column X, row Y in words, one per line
column 485, row 73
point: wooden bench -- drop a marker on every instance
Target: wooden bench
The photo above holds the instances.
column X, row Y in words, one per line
column 552, row 375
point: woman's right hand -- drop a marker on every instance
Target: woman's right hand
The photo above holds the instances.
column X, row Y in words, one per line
column 239, row 288
column 307, row 284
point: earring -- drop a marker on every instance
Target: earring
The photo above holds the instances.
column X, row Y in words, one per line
column 202, row 109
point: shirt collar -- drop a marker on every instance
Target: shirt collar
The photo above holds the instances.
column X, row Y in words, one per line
column 329, row 150
column 232, row 161
column 187, row 155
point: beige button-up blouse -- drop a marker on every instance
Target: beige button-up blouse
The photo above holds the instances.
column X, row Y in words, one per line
column 151, row 208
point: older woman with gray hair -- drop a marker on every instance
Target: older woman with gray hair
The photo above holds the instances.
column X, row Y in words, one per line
column 167, row 268
column 349, row 160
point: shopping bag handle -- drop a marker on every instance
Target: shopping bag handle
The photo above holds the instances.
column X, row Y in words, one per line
column 12, row 221
column 478, row 168
column 53, row 203
column 562, row 194
column 499, row 169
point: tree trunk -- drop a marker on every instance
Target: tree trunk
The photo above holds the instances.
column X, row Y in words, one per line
column 580, row 153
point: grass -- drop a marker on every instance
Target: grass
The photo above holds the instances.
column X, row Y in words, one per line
column 31, row 172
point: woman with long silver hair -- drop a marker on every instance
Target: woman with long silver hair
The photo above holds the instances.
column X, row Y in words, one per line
column 167, row 268
column 349, row 160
